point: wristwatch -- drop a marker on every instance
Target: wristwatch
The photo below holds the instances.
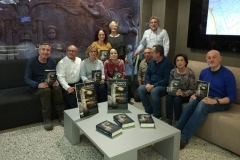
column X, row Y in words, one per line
column 217, row 101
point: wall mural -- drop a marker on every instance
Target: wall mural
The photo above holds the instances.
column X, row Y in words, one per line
column 24, row 24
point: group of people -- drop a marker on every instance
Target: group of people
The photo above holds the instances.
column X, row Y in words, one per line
column 153, row 78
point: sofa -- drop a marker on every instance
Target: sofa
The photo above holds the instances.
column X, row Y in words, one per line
column 17, row 106
column 220, row 128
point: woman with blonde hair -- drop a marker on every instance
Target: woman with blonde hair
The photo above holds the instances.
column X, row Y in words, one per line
column 87, row 66
column 117, row 41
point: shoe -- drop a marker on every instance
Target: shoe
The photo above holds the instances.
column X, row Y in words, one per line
column 183, row 144
column 131, row 103
column 47, row 123
column 61, row 119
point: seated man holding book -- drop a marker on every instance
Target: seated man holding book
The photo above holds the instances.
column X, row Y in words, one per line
column 182, row 85
column 222, row 92
column 156, row 81
column 68, row 74
column 91, row 65
column 34, row 78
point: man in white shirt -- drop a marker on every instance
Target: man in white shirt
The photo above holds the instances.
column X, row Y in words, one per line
column 153, row 36
column 68, row 73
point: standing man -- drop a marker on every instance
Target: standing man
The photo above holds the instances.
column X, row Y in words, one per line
column 156, row 81
column 154, row 35
column 222, row 93
column 34, row 78
column 68, row 73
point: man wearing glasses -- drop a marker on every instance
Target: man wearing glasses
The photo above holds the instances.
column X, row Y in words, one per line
column 68, row 74
column 35, row 79
column 153, row 36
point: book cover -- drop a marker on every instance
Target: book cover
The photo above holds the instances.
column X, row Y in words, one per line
column 96, row 76
column 174, row 85
column 202, row 89
column 117, row 75
column 50, row 76
column 123, row 120
column 108, row 128
column 87, row 99
column 117, row 94
column 146, row 120
column 103, row 55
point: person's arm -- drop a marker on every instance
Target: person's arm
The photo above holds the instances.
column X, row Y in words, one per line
column 166, row 72
column 61, row 75
column 142, row 43
column 139, row 74
column 166, row 43
column 28, row 76
column 106, row 69
column 192, row 85
column 83, row 71
column 122, row 69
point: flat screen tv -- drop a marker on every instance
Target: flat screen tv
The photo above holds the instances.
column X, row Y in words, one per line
column 214, row 24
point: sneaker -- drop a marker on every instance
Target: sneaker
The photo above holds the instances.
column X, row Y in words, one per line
column 61, row 119
column 47, row 123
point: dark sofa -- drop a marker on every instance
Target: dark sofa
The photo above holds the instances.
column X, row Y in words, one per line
column 17, row 106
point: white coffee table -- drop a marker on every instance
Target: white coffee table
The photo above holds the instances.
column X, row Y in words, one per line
column 166, row 139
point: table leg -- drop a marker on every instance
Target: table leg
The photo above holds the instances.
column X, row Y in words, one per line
column 71, row 131
column 132, row 154
column 169, row 148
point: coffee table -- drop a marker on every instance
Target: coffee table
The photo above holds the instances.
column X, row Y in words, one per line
column 166, row 139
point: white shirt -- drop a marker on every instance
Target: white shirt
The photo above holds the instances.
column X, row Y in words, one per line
column 151, row 38
column 68, row 71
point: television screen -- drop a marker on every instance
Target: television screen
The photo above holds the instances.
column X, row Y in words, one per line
column 214, row 24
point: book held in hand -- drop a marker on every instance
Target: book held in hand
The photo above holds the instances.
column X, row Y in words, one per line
column 50, row 76
column 108, row 128
column 96, row 76
column 123, row 120
column 202, row 89
column 117, row 94
column 173, row 87
column 103, row 55
column 86, row 99
column 117, row 75
column 146, row 121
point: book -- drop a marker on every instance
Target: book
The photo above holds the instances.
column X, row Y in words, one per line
column 117, row 75
column 173, row 86
column 103, row 55
column 202, row 89
column 86, row 99
column 146, row 121
column 50, row 76
column 117, row 94
column 108, row 128
column 96, row 76
column 123, row 120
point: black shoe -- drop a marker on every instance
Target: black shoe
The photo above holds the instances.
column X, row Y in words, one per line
column 61, row 119
column 183, row 144
column 47, row 124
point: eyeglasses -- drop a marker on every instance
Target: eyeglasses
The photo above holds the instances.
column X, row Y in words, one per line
column 72, row 51
column 92, row 51
column 179, row 60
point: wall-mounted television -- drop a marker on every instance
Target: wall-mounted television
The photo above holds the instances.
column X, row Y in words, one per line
column 214, row 24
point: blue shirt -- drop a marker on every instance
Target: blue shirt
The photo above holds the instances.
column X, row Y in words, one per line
column 87, row 66
column 34, row 73
column 222, row 84
column 157, row 74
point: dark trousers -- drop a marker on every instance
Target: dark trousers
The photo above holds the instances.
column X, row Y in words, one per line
column 101, row 90
column 70, row 99
column 47, row 96
column 175, row 103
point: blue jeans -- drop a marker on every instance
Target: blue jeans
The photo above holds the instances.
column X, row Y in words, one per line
column 156, row 94
column 193, row 116
column 175, row 103
column 70, row 98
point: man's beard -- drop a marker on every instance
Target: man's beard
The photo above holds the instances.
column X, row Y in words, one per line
column 154, row 28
